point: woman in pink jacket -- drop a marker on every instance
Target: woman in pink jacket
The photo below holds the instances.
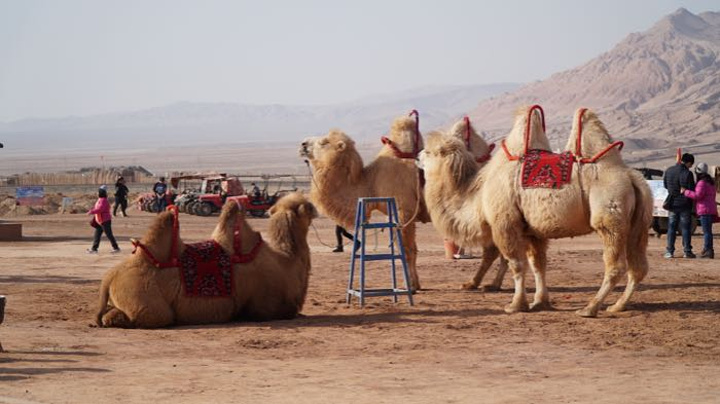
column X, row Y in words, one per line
column 102, row 222
column 705, row 206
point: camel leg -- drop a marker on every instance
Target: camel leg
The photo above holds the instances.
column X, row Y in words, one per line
column 615, row 265
column 519, row 301
column 496, row 284
column 637, row 269
column 537, row 254
column 116, row 318
column 408, row 235
column 489, row 255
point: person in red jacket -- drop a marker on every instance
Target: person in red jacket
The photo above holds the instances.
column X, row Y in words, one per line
column 705, row 206
column 102, row 222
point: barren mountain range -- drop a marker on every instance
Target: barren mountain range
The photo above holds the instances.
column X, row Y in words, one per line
column 655, row 90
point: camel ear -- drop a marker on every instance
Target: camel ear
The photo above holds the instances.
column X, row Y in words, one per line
column 340, row 145
column 307, row 209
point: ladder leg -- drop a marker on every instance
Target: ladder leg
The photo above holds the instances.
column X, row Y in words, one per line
column 358, row 210
column 393, row 272
column 406, row 274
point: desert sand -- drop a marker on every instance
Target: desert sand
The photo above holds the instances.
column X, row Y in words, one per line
column 452, row 346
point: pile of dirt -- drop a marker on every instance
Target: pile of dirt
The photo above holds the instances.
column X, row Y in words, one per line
column 53, row 203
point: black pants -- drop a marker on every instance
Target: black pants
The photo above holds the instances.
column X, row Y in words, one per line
column 122, row 203
column 107, row 229
column 339, row 232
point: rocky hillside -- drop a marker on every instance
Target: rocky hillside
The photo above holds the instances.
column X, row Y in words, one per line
column 655, row 90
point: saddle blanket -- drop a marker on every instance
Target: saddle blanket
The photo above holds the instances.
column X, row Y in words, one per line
column 545, row 169
column 206, row 270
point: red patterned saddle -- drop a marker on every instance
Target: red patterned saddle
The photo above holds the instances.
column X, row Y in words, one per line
column 545, row 169
column 206, row 270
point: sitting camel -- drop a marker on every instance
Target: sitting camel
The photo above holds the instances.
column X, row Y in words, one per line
column 602, row 195
column 340, row 178
column 263, row 281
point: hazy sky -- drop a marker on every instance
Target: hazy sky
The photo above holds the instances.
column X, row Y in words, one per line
column 75, row 57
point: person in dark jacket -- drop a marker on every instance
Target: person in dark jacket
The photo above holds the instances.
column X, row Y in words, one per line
column 676, row 178
column 121, row 193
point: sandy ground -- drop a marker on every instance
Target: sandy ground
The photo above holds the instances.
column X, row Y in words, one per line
column 453, row 346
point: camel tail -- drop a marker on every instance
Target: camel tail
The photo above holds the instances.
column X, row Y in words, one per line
column 641, row 220
column 104, row 299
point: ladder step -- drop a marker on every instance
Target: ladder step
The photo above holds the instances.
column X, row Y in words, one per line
column 379, row 292
column 379, row 225
column 378, row 257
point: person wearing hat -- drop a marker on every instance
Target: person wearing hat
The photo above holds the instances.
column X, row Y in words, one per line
column 705, row 206
column 676, row 178
column 121, row 193
column 102, row 222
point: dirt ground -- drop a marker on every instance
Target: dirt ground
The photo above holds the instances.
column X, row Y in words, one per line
column 452, row 346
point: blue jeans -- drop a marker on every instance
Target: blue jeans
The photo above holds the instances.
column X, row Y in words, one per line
column 685, row 219
column 161, row 204
column 706, row 221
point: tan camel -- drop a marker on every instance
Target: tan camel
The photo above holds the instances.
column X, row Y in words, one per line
column 340, row 178
column 480, row 150
column 604, row 196
column 272, row 285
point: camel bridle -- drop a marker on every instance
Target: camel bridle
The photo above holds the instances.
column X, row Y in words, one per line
column 416, row 141
column 468, row 132
column 174, row 261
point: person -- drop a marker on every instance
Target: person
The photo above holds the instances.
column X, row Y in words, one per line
column 102, row 222
column 705, row 206
column 121, row 193
column 256, row 194
column 160, row 190
column 339, row 233
column 677, row 177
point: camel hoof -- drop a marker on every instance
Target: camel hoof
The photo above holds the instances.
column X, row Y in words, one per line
column 469, row 286
column 516, row 308
column 587, row 312
column 490, row 288
column 616, row 308
column 541, row 306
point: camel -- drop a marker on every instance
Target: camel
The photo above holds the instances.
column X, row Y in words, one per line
column 269, row 280
column 480, row 151
column 340, row 178
column 603, row 195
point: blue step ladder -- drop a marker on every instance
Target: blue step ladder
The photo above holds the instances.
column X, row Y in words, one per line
column 361, row 226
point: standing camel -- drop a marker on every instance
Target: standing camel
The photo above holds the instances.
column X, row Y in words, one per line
column 339, row 179
column 603, row 195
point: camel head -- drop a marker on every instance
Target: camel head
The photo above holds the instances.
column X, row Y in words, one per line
column 290, row 218
column 515, row 140
column 158, row 238
column 333, row 152
column 446, row 160
column 405, row 135
column 464, row 131
column 294, row 205
column 593, row 137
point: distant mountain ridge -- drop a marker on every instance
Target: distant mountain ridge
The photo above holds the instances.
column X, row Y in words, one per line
column 188, row 123
column 657, row 89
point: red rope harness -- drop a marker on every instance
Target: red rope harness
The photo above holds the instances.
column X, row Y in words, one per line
column 577, row 157
column 174, row 260
column 468, row 132
column 578, row 144
column 526, row 136
column 416, row 141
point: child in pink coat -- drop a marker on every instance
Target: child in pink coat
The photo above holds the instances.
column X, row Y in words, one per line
column 102, row 222
column 705, row 206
